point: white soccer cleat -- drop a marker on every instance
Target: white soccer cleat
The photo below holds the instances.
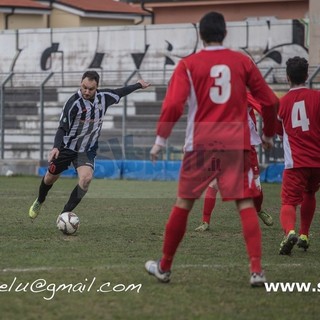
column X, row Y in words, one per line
column 204, row 226
column 153, row 268
column 257, row 279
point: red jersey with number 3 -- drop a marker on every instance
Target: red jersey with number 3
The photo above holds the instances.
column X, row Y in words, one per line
column 213, row 84
column 299, row 113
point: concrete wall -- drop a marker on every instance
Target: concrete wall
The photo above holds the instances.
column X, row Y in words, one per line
column 117, row 50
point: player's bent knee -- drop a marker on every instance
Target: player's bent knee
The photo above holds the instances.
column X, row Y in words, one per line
column 50, row 178
column 185, row 203
column 84, row 182
column 244, row 204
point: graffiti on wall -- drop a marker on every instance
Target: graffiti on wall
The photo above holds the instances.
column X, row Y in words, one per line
column 270, row 42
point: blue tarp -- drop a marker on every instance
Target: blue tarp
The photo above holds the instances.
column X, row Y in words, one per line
column 109, row 169
column 146, row 170
column 161, row 170
column 129, row 169
column 273, row 173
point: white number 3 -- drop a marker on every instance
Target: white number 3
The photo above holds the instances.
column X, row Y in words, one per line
column 299, row 116
column 220, row 92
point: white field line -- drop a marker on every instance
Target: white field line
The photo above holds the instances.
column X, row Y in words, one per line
column 123, row 266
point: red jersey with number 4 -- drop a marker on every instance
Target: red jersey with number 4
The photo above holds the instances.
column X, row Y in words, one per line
column 299, row 113
column 213, row 84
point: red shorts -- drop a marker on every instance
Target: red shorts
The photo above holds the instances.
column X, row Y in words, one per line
column 230, row 168
column 297, row 181
column 254, row 161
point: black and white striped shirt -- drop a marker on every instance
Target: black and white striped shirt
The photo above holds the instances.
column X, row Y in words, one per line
column 81, row 120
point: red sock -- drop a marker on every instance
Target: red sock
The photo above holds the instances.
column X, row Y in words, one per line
column 252, row 236
column 175, row 230
column 258, row 201
column 308, row 207
column 209, row 203
column 287, row 217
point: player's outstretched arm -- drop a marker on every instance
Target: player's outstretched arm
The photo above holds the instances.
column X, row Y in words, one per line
column 143, row 83
column 124, row 91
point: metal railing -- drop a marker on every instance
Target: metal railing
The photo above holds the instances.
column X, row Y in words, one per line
column 313, row 77
column 57, row 80
column 2, row 111
column 42, row 88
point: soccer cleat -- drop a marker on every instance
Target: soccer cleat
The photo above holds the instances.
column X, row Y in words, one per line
column 266, row 218
column 153, row 268
column 303, row 242
column 288, row 242
column 204, row 226
column 257, row 279
column 35, row 209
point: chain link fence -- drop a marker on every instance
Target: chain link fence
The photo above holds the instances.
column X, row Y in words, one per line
column 29, row 115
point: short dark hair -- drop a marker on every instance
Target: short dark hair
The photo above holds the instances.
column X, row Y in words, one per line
column 297, row 70
column 91, row 75
column 212, row 27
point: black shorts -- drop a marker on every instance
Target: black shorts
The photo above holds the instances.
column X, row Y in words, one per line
column 66, row 157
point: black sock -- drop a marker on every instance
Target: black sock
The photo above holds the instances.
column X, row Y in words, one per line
column 43, row 191
column 75, row 197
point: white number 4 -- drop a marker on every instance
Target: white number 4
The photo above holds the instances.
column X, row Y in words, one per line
column 299, row 116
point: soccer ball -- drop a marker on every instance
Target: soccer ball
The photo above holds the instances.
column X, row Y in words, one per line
column 68, row 222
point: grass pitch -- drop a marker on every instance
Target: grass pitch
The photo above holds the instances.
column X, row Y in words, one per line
column 99, row 272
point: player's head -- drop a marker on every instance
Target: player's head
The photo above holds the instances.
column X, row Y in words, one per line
column 212, row 27
column 89, row 84
column 297, row 70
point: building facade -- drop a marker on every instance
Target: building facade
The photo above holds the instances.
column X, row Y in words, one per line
column 26, row 14
column 190, row 11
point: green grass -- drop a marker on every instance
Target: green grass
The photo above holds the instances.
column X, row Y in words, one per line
column 122, row 225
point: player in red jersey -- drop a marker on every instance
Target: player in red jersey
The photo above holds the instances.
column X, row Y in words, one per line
column 299, row 113
column 212, row 190
column 213, row 83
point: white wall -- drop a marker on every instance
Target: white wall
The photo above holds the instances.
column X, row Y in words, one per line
column 269, row 41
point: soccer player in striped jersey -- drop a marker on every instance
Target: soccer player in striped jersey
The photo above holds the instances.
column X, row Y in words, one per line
column 299, row 115
column 213, row 83
column 76, row 140
column 212, row 190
